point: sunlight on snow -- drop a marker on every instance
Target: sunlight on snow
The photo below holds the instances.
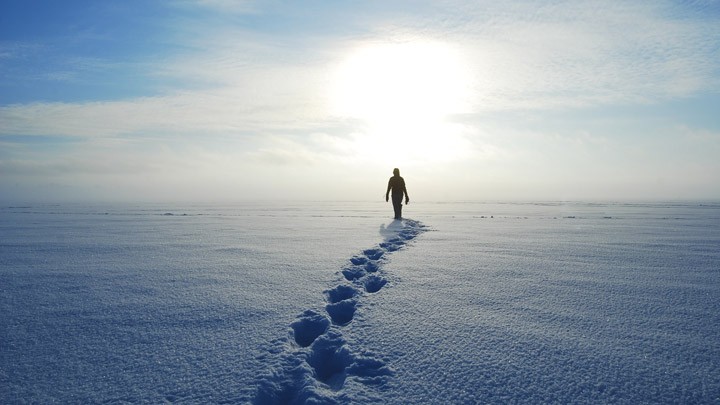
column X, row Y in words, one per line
column 404, row 93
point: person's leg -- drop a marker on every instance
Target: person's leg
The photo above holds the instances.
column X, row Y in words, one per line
column 397, row 206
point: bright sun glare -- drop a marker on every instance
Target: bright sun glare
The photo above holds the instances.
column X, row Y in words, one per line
column 404, row 93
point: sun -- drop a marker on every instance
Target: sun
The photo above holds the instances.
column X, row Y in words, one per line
column 404, row 93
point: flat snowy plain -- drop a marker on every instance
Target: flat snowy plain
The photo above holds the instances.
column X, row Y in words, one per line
column 337, row 303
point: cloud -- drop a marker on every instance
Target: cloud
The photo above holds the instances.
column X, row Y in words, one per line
column 311, row 150
column 192, row 113
column 523, row 57
column 579, row 54
column 225, row 6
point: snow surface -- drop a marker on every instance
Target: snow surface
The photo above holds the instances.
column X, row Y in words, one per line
column 336, row 303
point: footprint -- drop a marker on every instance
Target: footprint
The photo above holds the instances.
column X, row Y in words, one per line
column 373, row 254
column 358, row 260
column 308, row 327
column 340, row 293
column 390, row 247
column 342, row 312
column 369, row 370
column 396, row 242
column 371, row 267
column 285, row 383
column 353, row 273
column 329, row 358
column 407, row 234
column 374, row 283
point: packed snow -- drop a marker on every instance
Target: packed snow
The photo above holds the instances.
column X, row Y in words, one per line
column 337, row 303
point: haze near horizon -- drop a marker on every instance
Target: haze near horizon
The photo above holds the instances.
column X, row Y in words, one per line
column 236, row 100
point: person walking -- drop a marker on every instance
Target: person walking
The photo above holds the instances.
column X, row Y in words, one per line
column 397, row 185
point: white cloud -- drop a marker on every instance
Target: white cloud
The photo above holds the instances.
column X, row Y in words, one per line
column 581, row 54
column 227, row 6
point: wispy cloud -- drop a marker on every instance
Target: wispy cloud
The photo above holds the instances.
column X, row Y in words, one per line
column 227, row 6
column 580, row 54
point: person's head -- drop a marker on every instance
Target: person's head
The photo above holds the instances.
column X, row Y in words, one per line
column 396, row 171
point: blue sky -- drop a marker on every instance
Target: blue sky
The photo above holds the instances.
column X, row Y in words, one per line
column 234, row 100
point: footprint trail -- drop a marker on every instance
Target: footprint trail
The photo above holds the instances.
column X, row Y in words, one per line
column 316, row 361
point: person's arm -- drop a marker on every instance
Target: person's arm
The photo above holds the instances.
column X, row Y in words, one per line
column 407, row 197
column 387, row 193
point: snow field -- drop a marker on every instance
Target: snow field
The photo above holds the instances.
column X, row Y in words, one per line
column 312, row 303
column 128, row 304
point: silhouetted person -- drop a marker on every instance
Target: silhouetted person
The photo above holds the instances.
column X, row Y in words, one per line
column 397, row 185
